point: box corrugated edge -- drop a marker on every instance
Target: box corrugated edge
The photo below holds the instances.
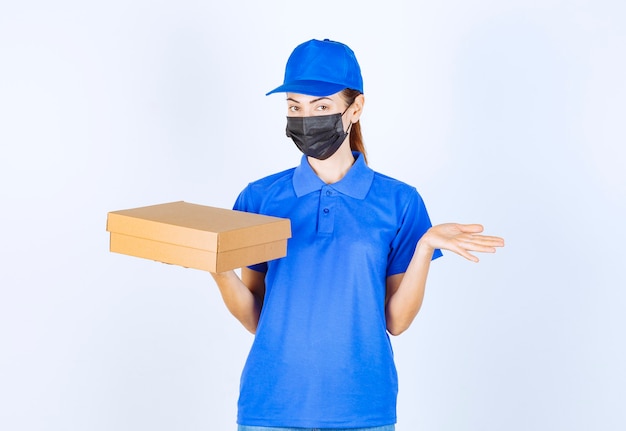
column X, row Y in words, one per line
column 196, row 258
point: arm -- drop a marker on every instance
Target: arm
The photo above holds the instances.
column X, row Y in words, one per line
column 405, row 292
column 243, row 296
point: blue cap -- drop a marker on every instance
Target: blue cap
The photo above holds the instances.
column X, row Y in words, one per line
column 321, row 68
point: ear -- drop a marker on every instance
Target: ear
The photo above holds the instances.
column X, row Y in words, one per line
column 357, row 107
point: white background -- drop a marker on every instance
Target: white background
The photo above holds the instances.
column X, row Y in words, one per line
column 507, row 113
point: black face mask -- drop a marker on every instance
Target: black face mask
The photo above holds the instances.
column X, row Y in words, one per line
column 318, row 136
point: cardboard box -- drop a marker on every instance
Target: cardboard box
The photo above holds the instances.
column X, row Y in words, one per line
column 197, row 236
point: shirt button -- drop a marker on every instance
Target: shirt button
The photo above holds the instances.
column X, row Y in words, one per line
column 326, row 210
column 328, row 193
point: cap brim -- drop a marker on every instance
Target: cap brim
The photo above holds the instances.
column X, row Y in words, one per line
column 310, row 88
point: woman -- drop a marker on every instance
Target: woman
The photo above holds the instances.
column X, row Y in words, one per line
column 355, row 269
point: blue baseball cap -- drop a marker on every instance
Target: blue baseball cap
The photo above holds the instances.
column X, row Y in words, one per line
column 321, row 68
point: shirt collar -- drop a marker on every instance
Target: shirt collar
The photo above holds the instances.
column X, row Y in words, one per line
column 356, row 183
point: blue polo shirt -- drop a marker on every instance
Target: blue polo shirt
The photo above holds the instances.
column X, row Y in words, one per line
column 321, row 357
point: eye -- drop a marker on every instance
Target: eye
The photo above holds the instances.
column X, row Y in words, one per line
column 322, row 108
column 293, row 108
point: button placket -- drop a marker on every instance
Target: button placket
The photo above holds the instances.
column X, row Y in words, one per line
column 326, row 214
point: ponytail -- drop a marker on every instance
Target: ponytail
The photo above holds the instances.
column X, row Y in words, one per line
column 356, row 138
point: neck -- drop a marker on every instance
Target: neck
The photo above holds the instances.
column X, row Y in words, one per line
column 334, row 168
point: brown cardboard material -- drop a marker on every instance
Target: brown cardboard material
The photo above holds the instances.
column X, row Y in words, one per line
column 197, row 236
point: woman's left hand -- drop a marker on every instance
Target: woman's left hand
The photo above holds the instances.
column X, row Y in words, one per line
column 461, row 239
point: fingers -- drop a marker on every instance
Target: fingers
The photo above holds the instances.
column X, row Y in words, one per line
column 475, row 228
column 463, row 251
column 491, row 241
column 470, row 257
column 473, row 246
column 476, row 243
column 471, row 228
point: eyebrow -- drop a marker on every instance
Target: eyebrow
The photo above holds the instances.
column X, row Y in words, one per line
column 312, row 101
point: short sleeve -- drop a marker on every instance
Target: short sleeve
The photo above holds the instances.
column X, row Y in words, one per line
column 414, row 223
column 245, row 202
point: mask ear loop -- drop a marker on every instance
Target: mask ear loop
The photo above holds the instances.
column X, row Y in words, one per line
column 349, row 125
column 346, row 110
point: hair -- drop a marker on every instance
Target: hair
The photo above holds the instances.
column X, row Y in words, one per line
column 356, row 138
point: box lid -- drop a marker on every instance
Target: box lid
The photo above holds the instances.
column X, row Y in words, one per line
column 199, row 226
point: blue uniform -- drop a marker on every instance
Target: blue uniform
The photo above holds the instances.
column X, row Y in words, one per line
column 321, row 356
